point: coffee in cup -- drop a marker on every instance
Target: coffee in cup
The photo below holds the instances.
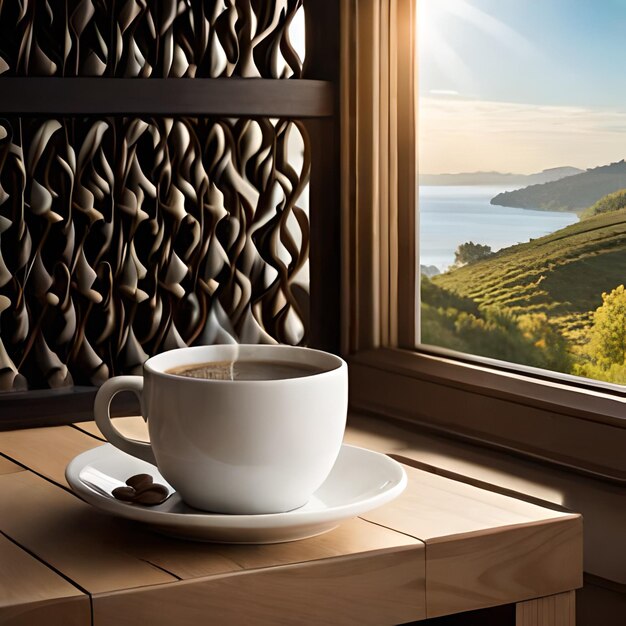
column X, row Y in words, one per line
column 245, row 370
column 241, row 429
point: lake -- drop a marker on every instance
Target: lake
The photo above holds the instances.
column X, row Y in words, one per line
column 450, row 216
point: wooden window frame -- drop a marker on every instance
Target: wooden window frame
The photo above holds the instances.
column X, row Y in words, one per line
column 572, row 425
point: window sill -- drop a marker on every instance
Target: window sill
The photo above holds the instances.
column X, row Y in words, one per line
column 601, row 504
column 577, row 428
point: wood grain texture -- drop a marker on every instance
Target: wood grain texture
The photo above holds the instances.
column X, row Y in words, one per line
column 46, row 451
column 483, row 548
column 503, row 567
column 355, row 590
column 447, row 507
column 378, row 167
column 64, row 513
column 352, row 537
column 441, row 547
column 601, row 503
column 556, row 610
column 31, row 593
column 75, row 539
column 188, row 560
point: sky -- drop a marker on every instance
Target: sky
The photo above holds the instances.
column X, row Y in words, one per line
column 521, row 85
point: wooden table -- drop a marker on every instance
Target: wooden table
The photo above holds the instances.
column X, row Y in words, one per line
column 442, row 547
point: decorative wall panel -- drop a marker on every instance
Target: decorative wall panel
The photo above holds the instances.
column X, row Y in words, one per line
column 152, row 38
column 122, row 237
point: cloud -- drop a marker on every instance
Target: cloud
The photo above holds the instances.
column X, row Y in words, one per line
column 459, row 134
column 443, row 92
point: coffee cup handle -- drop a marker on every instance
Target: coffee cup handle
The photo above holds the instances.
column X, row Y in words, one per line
column 102, row 416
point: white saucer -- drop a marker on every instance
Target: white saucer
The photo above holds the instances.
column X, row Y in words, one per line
column 360, row 480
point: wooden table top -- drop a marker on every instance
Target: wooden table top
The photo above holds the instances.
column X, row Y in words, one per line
column 442, row 547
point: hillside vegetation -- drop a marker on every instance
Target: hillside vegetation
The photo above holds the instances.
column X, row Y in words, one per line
column 561, row 276
column 458, row 323
column 606, row 204
column 573, row 193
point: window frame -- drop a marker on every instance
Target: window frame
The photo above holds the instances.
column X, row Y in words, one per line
column 577, row 427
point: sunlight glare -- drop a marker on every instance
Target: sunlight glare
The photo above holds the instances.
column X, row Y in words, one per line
column 297, row 33
column 435, row 19
column 491, row 26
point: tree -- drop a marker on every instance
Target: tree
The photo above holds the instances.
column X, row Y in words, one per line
column 529, row 339
column 492, row 332
column 471, row 252
column 611, row 202
column 605, row 351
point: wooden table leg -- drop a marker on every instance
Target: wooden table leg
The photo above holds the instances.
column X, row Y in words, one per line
column 558, row 610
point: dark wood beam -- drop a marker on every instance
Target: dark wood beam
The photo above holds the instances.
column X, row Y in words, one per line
column 52, row 407
column 322, row 62
column 231, row 97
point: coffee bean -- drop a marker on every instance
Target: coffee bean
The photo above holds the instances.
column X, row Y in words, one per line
column 124, row 493
column 153, row 487
column 139, row 481
column 141, row 490
column 153, row 496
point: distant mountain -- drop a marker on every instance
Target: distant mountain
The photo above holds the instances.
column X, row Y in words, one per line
column 429, row 270
column 552, row 174
column 498, row 178
column 572, row 193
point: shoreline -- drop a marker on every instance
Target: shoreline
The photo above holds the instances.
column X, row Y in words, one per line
column 450, row 215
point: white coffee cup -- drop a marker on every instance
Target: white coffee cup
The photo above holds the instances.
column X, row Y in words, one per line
column 237, row 446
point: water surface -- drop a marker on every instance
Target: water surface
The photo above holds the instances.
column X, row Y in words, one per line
column 450, row 216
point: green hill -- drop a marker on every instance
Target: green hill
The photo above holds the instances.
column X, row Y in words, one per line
column 606, row 204
column 561, row 275
column 572, row 193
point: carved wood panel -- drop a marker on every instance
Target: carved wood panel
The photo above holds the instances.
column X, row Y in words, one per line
column 152, row 38
column 122, row 237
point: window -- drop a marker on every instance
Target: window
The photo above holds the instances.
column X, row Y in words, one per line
column 557, row 420
column 522, row 180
